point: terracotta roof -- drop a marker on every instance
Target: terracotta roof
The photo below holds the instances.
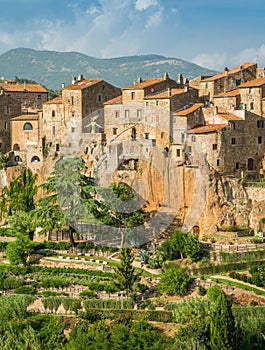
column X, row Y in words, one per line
column 26, row 117
column 165, row 94
column 206, row 128
column 56, row 100
column 144, row 83
column 20, row 87
column 253, row 83
column 190, row 109
column 228, row 116
column 82, row 84
column 231, row 93
column 114, row 101
column 231, row 71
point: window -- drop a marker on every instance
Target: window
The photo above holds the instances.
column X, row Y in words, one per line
column 178, row 152
column 127, row 113
column 237, row 165
column 132, row 95
column 99, row 98
column 103, row 87
column 251, row 90
column 133, row 135
column 260, row 124
column 16, row 147
column 73, row 113
column 193, row 138
column 39, row 97
column 35, row 159
column 8, row 110
column 18, row 159
column 6, row 125
column 106, row 98
column 214, row 146
column 206, row 85
column 146, row 103
column 162, row 134
column 251, row 105
column 27, row 127
column 259, row 140
column 250, row 164
column 139, row 113
column 157, row 103
column 233, row 125
column 57, row 147
column 114, row 131
column 117, row 114
column 53, row 130
column 72, row 100
column 218, row 162
column 233, row 141
column 238, row 82
column 146, row 135
column 53, row 113
column 73, row 129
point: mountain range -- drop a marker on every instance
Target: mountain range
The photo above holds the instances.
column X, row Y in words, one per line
column 52, row 68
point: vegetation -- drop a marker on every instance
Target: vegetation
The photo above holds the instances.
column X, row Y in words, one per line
column 125, row 275
column 182, row 244
column 174, row 281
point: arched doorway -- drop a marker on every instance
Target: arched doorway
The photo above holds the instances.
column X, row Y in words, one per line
column 196, row 229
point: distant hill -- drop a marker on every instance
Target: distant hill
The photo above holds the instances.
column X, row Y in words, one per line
column 51, row 68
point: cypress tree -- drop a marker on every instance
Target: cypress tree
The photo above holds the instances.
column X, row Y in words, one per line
column 222, row 327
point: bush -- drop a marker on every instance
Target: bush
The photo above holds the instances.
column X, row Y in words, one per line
column 201, row 290
column 88, row 294
column 25, row 290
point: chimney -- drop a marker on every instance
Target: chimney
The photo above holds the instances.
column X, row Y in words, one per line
column 63, row 85
column 180, row 79
column 166, row 76
column 25, row 86
column 139, row 80
column 80, row 77
column 73, row 80
column 169, row 91
column 226, row 70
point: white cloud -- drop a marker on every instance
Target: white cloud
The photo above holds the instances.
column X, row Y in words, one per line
column 154, row 20
column 141, row 5
column 215, row 61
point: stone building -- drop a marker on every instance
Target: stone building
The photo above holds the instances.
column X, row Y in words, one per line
column 226, row 81
column 9, row 108
column 79, row 110
column 25, row 135
column 28, row 95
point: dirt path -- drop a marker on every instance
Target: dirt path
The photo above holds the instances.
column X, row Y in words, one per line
column 238, row 281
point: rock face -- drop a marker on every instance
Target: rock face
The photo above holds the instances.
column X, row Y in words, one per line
column 193, row 196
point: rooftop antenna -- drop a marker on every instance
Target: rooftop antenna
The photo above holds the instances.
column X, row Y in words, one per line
column 257, row 59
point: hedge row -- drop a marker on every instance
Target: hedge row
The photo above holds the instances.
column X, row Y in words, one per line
column 212, row 269
column 107, row 304
column 108, row 314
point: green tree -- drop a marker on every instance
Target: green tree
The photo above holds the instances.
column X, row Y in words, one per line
column 174, row 281
column 222, row 327
column 125, row 275
column 67, row 193
column 19, row 251
column 19, row 196
column 192, row 247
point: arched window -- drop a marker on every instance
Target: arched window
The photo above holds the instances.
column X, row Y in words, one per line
column 16, row 147
column 28, row 126
column 18, row 159
column 35, row 159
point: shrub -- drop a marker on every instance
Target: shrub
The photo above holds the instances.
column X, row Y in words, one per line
column 25, row 290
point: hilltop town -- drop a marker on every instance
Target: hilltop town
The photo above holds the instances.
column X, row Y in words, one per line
column 126, row 212
column 185, row 146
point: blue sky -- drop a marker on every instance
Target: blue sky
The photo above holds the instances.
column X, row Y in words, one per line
column 210, row 33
